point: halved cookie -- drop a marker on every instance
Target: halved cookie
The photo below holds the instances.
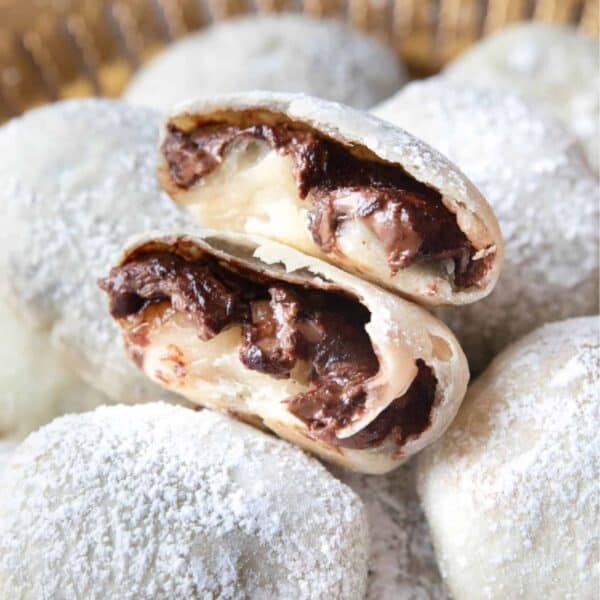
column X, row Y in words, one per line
column 334, row 183
column 333, row 363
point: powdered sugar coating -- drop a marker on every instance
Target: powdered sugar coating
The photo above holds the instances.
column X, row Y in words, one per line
column 518, row 472
column 78, row 178
column 286, row 52
column 555, row 65
column 531, row 171
column 156, row 501
column 401, row 560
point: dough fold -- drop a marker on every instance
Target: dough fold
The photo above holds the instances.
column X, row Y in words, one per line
column 337, row 184
column 280, row 339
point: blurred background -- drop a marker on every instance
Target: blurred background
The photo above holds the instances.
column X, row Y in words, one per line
column 52, row 49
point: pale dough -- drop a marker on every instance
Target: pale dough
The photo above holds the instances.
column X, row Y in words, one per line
column 511, row 490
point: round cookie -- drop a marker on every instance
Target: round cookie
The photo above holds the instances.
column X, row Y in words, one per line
column 285, row 53
column 531, row 171
column 554, row 65
column 510, row 491
column 157, row 501
column 77, row 178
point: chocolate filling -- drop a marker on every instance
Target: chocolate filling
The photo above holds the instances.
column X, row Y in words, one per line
column 407, row 216
column 281, row 324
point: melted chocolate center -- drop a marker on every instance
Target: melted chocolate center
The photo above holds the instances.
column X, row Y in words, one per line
column 281, row 324
column 407, row 216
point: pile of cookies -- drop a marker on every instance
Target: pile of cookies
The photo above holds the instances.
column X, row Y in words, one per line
column 258, row 281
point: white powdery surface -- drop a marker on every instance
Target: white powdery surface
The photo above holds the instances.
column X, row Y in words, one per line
column 555, row 65
column 287, row 53
column 402, row 563
column 532, row 172
column 511, row 490
column 77, row 179
column 353, row 127
column 156, row 501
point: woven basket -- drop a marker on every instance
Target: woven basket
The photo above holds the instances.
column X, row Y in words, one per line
column 51, row 49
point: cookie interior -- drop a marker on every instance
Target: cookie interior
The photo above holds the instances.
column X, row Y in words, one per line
column 263, row 174
column 254, row 341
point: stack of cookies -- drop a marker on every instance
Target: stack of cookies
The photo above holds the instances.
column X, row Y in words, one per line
column 264, row 273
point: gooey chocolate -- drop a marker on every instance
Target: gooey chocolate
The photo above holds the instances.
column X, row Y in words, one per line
column 408, row 217
column 281, row 324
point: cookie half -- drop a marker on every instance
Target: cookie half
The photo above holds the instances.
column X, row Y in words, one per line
column 355, row 374
column 337, row 184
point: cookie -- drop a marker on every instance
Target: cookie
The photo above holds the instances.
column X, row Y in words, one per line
column 282, row 53
column 510, row 490
column 337, row 184
column 158, row 501
column 77, row 179
column 335, row 364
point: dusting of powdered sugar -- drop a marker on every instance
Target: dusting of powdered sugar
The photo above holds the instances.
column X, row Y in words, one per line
column 518, row 472
column 77, row 179
column 285, row 52
column 531, row 171
column 555, row 65
column 402, row 563
column 159, row 502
